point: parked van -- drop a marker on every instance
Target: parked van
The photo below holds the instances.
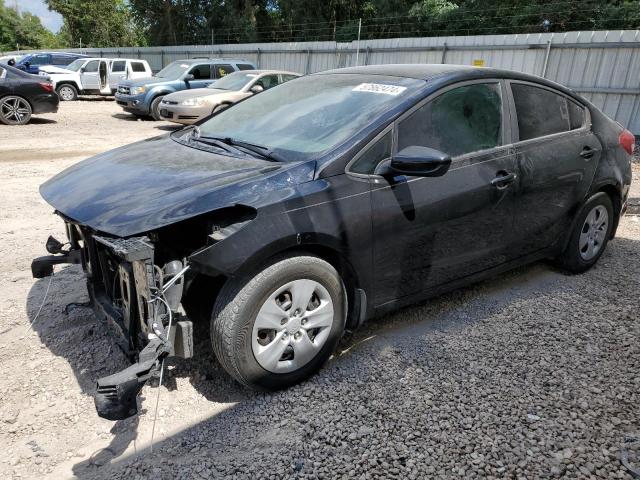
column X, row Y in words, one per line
column 94, row 76
column 33, row 62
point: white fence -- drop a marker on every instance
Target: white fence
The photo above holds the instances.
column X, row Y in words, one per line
column 604, row 66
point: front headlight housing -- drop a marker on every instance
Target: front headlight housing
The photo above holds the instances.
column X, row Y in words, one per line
column 193, row 102
column 137, row 90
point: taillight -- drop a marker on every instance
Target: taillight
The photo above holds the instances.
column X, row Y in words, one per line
column 48, row 87
column 627, row 141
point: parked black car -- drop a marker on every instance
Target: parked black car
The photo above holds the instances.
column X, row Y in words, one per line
column 330, row 199
column 23, row 94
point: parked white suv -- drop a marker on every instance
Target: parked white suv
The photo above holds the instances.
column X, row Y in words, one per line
column 94, row 76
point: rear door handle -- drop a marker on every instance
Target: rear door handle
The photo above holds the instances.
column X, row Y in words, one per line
column 587, row 152
column 503, row 179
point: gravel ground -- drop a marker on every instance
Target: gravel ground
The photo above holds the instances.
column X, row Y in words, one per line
column 533, row 374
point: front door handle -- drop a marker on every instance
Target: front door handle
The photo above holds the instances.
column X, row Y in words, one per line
column 587, row 153
column 503, row 179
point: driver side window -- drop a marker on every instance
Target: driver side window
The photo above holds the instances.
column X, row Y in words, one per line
column 462, row 120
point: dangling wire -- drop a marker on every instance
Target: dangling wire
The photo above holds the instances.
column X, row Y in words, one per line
column 44, row 299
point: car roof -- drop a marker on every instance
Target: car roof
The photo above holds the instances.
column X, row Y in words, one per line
column 57, row 53
column 446, row 74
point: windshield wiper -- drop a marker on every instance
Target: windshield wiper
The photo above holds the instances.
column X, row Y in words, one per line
column 261, row 150
column 194, row 136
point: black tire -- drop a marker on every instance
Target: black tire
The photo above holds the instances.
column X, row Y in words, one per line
column 67, row 92
column 15, row 110
column 155, row 108
column 237, row 307
column 571, row 259
column 220, row 108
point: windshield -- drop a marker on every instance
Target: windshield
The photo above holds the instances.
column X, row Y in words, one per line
column 311, row 114
column 75, row 65
column 174, row 70
column 234, row 81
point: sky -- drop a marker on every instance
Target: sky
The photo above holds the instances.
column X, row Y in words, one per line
column 51, row 20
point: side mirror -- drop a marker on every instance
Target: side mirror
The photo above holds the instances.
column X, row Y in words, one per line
column 256, row 89
column 420, row 162
column 82, row 69
column 188, row 77
column 27, row 64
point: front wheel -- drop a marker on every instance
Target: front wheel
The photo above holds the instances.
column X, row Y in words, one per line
column 590, row 234
column 67, row 92
column 155, row 108
column 279, row 327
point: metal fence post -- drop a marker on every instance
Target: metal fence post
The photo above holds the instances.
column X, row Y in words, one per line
column 258, row 59
column 162, row 58
column 444, row 52
column 546, row 60
column 307, row 68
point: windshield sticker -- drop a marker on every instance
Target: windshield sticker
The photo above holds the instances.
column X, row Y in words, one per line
column 379, row 88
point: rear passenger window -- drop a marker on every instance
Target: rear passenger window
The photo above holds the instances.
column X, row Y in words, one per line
column 463, row 120
column 200, row 72
column 222, row 70
column 376, row 153
column 244, row 66
column 61, row 60
column 118, row 66
column 542, row 112
column 139, row 67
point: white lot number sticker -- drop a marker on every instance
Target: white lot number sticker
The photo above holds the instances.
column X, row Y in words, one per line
column 379, row 88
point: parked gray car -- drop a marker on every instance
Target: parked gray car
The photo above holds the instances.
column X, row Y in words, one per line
column 189, row 106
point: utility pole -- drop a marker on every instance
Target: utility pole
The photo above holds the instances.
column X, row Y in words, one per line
column 358, row 45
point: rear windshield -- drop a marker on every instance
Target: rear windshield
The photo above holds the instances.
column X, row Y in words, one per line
column 311, row 114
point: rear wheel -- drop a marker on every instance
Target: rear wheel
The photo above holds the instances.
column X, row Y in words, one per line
column 590, row 234
column 279, row 327
column 67, row 92
column 155, row 108
column 14, row 110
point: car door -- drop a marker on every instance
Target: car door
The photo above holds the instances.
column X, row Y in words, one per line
column 90, row 75
column 201, row 75
column 429, row 231
column 557, row 155
column 138, row 70
column 5, row 83
column 117, row 73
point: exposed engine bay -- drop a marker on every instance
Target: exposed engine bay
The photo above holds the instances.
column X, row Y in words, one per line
column 140, row 298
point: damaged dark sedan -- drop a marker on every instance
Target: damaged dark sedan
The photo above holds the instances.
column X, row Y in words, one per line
column 302, row 212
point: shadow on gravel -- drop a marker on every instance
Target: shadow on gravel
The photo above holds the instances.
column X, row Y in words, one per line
column 41, row 121
column 170, row 128
column 132, row 118
column 91, row 352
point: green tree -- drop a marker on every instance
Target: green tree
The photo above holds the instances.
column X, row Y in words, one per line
column 97, row 23
column 23, row 31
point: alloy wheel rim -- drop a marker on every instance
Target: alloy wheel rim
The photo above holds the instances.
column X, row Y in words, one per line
column 66, row 93
column 14, row 110
column 292, row 326
column 593, row 232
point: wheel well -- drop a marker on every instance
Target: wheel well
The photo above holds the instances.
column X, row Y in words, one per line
column 616, row 199
column 203, row 290
column 66, row 82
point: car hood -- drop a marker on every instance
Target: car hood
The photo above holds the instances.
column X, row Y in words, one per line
column 196, row 92
column 157, row 182
column 144, row 81
column 55, row 70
